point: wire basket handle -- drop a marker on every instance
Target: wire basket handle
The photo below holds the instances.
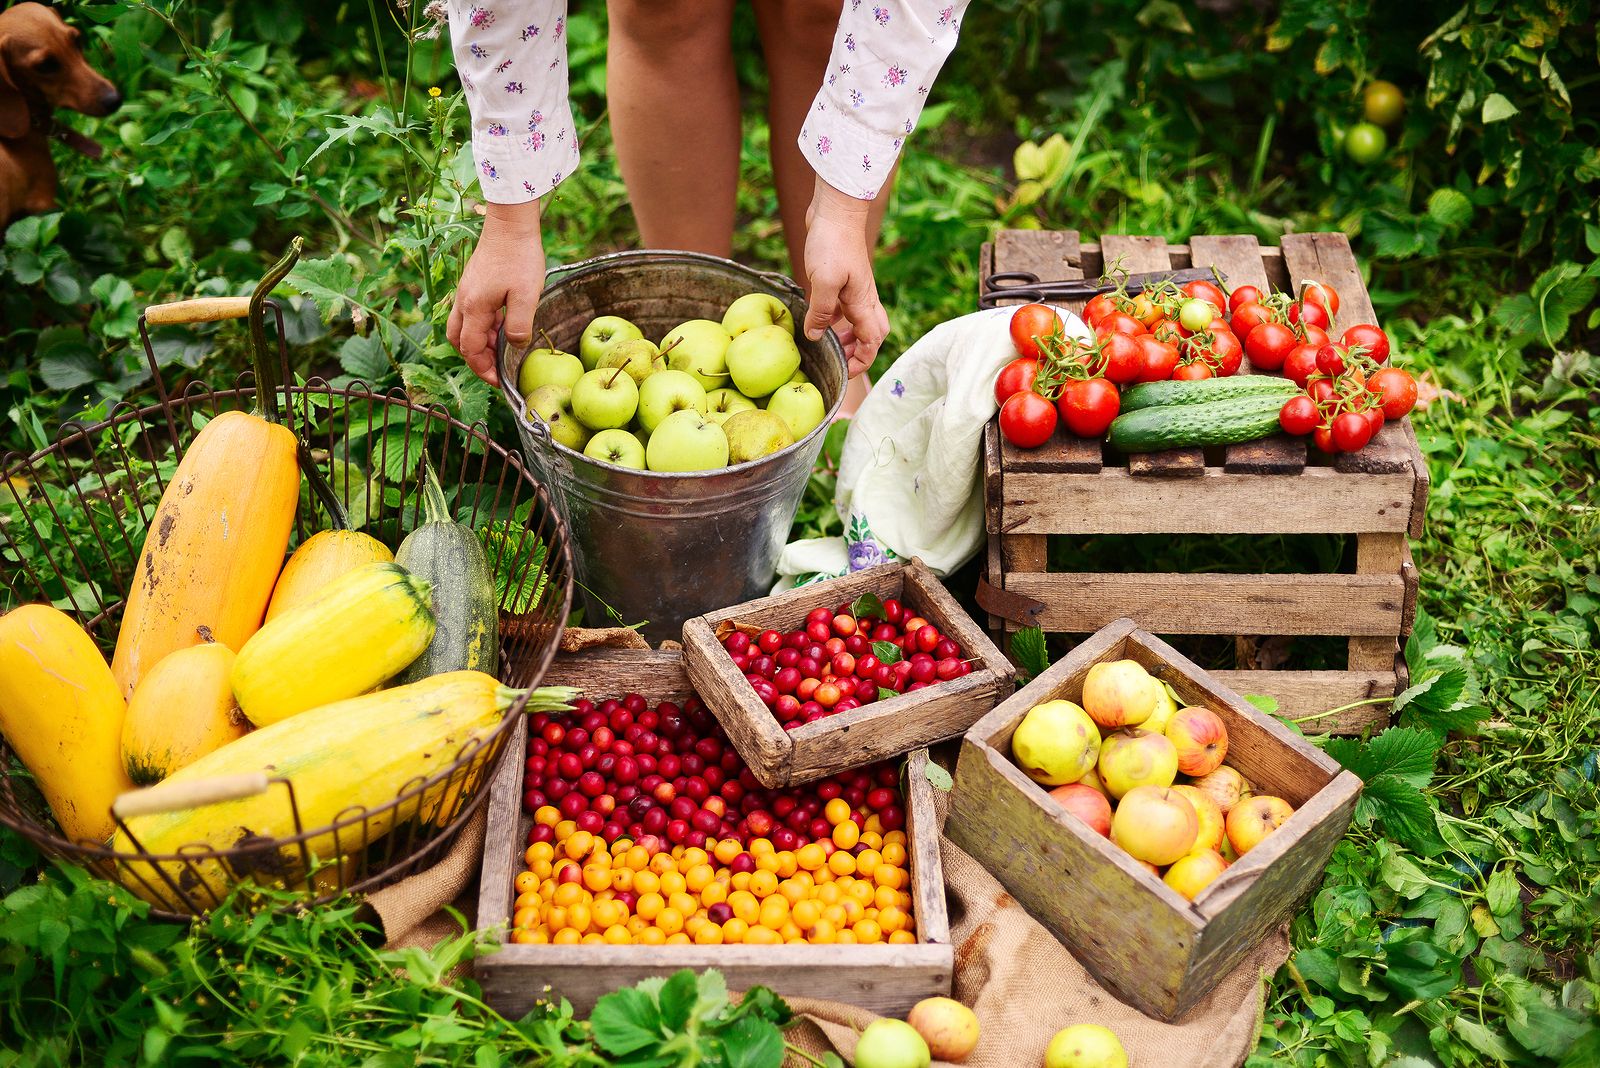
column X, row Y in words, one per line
column 197, row 310
column 181, row 796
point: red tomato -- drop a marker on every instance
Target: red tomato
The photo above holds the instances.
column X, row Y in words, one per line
column 1191, row 372
column 1369, row 337
column 1160, row 359
column 1229, row 353
column 1247, row 317
column 1330, row 360
column 1312, row 314
column 1031, row 322
column 1167, row 330
column 1088, row 405
column 1118, row 323
column 1321, row 293
column 1299, row 415
column 1100, row 305
column 1321, row 390
column 1124, row 358
column 1205, row 290
column 1396, row 389
column 1243, row 295
column 1015, row 377
column 1300, row 364
column 1268, row 345
column 1351, row 431
column 1374, row 419
column 1314, row 335
column 1027, row 420
column 1323, row 436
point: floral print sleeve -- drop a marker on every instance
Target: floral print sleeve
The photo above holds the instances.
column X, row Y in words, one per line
column 886, row 54
column 512, row 59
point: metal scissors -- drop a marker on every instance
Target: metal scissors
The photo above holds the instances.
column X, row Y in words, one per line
column 1026, row 286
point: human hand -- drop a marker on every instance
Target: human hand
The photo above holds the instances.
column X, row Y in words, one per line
column 839, row 276
column 499, row 286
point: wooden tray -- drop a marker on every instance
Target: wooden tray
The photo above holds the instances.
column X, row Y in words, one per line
column 875, row 731
column 1072, row 486
column 1140, row 938
column 887, row 979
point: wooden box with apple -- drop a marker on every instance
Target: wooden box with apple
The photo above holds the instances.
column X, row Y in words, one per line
column 628, row 840
column 1156, row 822
column 831, row 675
column 1362, row 592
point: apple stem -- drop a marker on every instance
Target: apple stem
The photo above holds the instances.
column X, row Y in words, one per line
column 549, row 344
column 675, row 343
column 612, row 380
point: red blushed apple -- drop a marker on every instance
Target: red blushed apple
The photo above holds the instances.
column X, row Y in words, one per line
column 1209, row 815
column 1225, row 786
column 1254, row 818
column 1118, row 694
column 1193, row 873
column 1155, row 824
column 1201, row 739
column 1086, row 803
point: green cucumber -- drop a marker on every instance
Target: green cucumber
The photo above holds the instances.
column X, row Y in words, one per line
column 1179, row 426
column 449, row 555
column 1207, row 390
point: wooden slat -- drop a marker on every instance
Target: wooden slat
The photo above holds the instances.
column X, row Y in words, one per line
column 991, row 480
column 1308, row 693
column 1318, row 501
column 1380, row 556
column 1175, row 603
column 1137, row 254
column 1238, row 257
column 1419, row 470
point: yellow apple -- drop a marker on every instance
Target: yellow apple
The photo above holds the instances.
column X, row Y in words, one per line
column 1155, row 824
column 1193, row 873
column 1118, row 694
column 1165, row 707
column 1089, row 805
column 1136, row 758
column 948, row 1027
column 1055, row 743
column 1254, row 818
column 1091, row 778
column 1085, row 1046
column 1201, row 739
column 1225, row 786
column 1210, row 816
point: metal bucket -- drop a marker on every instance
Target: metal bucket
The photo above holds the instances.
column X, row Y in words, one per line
column 662, row 547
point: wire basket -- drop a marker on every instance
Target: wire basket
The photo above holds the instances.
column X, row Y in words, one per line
column 72, row 523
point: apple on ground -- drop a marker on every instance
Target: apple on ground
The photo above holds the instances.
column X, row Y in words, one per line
column 548, row 367
column 756, row 309
column 1166, row 706
column 1085, row 1046
column 1056, row 743
column 552, row 405
column 700, row 348
column 1118, row 694
column 640, row 356
column 891, row 1043
column 1135, row 757
column 762, row 359
column 666, row 392
column 722, row 403
column 752, row 435
column 1155, row 824
column 948, row 1027
column 617, row 447
column 1225, row 786
column 605, row 398
column 1254, row 818
column 601, row 333
column 800, row 405
column 1201, row 739
column 1210, row 816
column 1193, row 873
column 686, row 441
column 1086, row 803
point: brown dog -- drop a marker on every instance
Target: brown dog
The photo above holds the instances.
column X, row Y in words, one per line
column 41, row 68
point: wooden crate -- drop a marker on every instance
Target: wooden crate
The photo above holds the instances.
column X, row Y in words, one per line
column 1071, row 486
column 1141, row 939
column 875, row 731
column 887, row 979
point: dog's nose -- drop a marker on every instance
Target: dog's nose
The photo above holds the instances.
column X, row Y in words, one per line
column 110, row 100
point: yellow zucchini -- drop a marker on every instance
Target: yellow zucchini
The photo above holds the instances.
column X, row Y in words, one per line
column 366, row 627
column 181, row 710
column 62, row 712
column 323, row 557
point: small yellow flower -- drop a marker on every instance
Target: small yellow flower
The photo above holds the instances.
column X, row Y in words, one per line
column 434, row 91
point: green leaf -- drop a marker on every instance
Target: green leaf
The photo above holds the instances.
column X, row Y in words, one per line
column 1401, row 808
column 886, row 652
column 1483, row 1039
column 939, row 777
column 462, row 393
column 867, row 604
column 1165, row 15
column 1585, row 1052
column 364, row 358
column 1028, row 650
column 1405, row 753
column 327, row 282
column 1440, row 693
column 678, row 997
column 1264, row 702
column 625, row 1020
column 1496, row 108
column 1534, row 1020
column 1503, row 893
column 1403, row 876
column 1450, row 207
column 750, row 1042
column 1419, row 971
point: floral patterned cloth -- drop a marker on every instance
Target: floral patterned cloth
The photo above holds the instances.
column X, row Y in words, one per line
column 512, row 58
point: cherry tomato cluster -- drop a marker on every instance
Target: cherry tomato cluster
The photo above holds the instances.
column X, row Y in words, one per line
column 1349, row 393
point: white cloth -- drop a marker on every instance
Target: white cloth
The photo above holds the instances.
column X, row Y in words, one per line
column 911, row 475
column 512, row 58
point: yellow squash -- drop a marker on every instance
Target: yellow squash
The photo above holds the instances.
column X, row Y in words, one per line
column 181, row 710
column 61, row 711
column 366, row 627
column 214, row 546
column 323, row 557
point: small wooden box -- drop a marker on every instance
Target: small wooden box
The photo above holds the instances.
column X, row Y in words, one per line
column 872, row 732
column 1139, row 937
column 887, row 979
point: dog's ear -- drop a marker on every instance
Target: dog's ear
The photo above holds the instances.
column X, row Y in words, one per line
column 13, row 108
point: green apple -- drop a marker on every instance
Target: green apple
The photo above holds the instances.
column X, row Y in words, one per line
column 801, row 406
column 721, row 403
column 552, row 404
column 605, row 398
column 666, row 392
column 616, row 447
column 799, row 378
column 640, row 356
column 754, row 434
column 757, row 309
column 547, row 367
column 687, row 441
column 699, row 347
column 762, row 359
column 601, row 333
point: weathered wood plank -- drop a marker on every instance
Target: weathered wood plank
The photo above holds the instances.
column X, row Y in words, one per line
column 1380, row 556
column 1309, row 693
column 1168, row 463
column 1367, row 605
column 1318, row 501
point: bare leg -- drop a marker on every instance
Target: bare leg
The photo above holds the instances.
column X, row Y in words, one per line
column 675, row 117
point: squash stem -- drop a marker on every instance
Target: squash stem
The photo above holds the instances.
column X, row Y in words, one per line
column 435, row 509
column 265, row 368
column 544, row 699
